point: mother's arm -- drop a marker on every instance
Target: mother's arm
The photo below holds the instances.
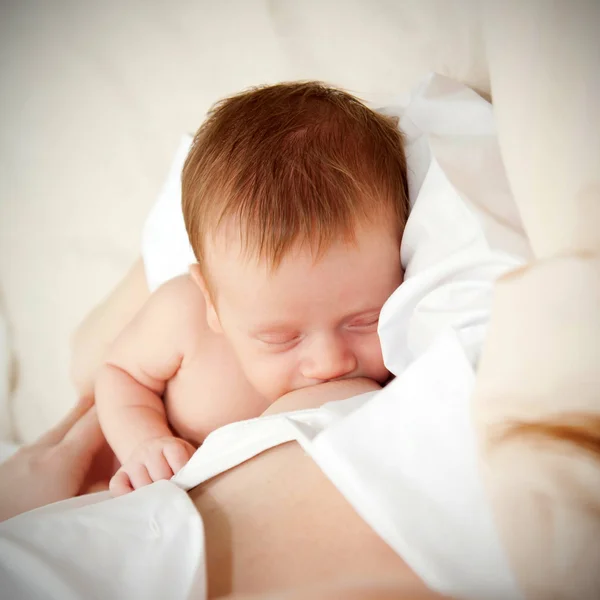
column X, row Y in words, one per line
column 95, row 335
column 537, row 401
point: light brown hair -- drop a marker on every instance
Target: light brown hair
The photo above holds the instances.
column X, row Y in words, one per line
column 293, row 163
column 577, row 430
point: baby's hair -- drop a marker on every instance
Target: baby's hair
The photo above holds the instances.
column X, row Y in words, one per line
column 293, row 163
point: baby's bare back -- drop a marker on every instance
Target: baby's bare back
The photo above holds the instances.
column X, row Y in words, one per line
column 209, row 389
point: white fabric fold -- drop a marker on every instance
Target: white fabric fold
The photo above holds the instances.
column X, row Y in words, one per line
column 148, row 544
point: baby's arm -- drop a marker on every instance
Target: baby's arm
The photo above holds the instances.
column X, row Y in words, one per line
column 130, row 385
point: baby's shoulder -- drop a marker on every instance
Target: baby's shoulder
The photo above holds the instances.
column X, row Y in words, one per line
column 179, row 288
column 182, row 300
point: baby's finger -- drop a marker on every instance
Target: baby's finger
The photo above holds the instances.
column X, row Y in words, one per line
column 138, row 475
column 58, row 432
column 120, row 484
column 177, row 456
column 159, row 468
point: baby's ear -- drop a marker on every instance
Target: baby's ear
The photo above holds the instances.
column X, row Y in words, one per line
column 212, row 318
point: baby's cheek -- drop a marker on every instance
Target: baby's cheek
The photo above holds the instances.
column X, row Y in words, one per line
column 258, row 368
column 371, row 360
column 269, row 377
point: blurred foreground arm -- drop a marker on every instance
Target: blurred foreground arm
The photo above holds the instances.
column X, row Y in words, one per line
column 537, row 399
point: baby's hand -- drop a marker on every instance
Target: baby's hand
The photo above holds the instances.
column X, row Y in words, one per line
column 159, row 458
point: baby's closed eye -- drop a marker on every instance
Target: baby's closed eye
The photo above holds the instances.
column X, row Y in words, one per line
column 279, row 338
column 364, row 322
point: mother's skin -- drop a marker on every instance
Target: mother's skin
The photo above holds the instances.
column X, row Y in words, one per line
column 256, row 518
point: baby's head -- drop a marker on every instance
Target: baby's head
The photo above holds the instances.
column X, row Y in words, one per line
column 295, row 200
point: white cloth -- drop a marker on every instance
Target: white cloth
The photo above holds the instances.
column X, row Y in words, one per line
column 148, row 544
column 418, row 487
column 464, row 229
column 165, row 247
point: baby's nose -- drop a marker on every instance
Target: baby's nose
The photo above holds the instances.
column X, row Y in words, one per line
column 329, row 359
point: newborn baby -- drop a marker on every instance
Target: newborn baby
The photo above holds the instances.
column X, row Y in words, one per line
column 295, row 200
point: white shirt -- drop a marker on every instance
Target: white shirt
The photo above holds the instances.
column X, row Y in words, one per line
column 417, row 487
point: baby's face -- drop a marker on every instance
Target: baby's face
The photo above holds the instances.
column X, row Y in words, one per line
column 306, row 323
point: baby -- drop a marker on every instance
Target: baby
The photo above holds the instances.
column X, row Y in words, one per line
column 295, row 200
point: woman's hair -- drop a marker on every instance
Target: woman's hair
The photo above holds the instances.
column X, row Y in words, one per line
column 293, row 163
column 576, row 430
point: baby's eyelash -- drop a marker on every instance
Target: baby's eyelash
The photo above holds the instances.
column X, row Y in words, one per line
column 273, row 343
column 366, row 323
column 280, row 342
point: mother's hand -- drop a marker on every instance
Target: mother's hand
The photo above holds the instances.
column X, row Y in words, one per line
column 53, row 468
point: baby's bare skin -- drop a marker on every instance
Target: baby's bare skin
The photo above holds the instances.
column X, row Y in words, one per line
column 169, row 349
column 195, row 360
column 204, row 393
